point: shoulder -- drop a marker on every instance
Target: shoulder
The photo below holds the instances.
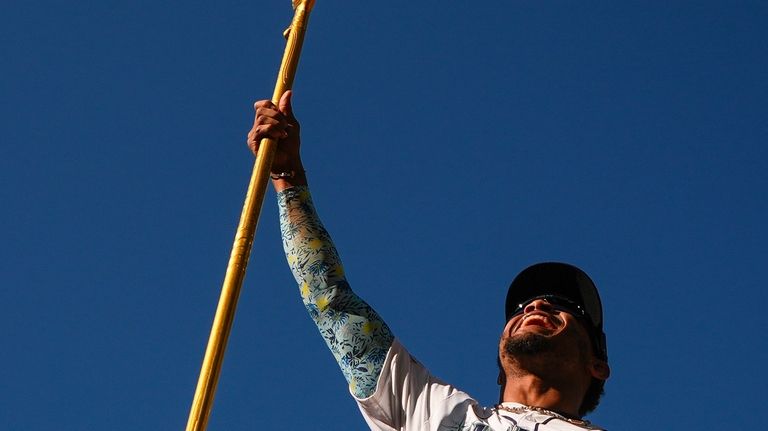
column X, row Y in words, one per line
column 407, row 395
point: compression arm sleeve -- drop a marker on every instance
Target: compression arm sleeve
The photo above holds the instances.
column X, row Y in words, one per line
column 358, row 338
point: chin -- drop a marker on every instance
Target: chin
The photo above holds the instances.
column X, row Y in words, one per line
column 528, row 343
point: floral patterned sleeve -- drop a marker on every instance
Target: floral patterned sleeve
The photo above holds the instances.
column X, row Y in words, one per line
column 358, row 338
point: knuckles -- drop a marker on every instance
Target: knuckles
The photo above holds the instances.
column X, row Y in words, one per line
column 264, row 104
column 270, row 122
column 261, row 131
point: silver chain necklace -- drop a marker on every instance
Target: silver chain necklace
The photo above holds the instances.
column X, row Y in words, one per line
column 524, row 408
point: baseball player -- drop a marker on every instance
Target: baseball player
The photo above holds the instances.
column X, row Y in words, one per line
column 552, row 351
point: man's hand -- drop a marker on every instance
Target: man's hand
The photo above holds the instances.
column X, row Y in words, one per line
column 278, row 122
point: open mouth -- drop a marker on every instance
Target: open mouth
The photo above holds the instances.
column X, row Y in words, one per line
column 538, row 319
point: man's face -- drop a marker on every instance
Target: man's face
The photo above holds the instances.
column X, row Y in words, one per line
column 549, row 342
column 543, row 332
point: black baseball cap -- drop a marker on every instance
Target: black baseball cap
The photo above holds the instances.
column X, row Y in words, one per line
column 561, row 280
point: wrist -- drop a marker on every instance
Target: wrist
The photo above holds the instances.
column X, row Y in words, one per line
column 283, row 179
column 279, row 174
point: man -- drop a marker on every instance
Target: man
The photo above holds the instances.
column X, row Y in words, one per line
column 552, row 353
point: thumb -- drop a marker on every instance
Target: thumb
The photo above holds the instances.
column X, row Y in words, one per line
column 284, row 105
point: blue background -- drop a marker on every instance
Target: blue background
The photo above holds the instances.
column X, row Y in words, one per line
column 449, row 145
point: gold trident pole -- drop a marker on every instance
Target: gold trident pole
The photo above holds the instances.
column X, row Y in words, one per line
column 241, row 249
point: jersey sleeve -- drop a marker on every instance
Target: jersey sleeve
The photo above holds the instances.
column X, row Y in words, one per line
column 408, row 397
column 356, row 335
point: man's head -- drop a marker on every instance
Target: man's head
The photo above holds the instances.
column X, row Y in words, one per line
column 554, row 329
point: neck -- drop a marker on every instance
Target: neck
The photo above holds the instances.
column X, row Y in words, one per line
column 534, row 391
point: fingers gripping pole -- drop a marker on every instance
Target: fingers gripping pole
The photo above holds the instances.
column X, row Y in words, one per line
column 241, row 249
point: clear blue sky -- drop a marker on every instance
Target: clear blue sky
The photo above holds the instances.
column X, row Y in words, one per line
column 449, row 145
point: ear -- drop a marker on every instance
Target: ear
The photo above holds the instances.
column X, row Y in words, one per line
column 600, row 369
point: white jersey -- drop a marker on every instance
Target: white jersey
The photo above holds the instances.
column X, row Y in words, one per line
column 409, row 398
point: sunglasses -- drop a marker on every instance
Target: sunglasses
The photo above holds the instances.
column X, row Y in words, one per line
column 557, row 303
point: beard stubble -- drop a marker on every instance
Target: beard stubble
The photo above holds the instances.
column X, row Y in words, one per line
column 527, row 344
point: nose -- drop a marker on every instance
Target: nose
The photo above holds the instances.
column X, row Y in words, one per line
column 538, row 304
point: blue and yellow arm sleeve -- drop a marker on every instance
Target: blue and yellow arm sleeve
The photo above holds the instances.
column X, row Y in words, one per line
column 357, row 336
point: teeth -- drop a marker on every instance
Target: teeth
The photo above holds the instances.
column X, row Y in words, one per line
column 544, row 319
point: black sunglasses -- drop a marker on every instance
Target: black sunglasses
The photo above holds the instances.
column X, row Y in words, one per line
column 558, row 303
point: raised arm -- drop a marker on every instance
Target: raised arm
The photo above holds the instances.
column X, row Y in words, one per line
column 357, row 336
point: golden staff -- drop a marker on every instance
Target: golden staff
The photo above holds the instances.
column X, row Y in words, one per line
column 241, row 249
